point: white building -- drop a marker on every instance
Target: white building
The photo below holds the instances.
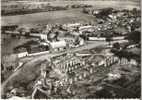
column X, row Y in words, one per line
column 86, row 27
column 22, row 54
column 133, row 62
column 71, row 26
column 118, row 38
column 58, row 45
column 43, row 36
column 96, row 39
column 81, row 41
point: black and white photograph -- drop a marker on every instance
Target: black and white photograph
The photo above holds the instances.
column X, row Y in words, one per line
column 70, row 49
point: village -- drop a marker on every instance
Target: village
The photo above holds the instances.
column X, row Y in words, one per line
column 75, row 60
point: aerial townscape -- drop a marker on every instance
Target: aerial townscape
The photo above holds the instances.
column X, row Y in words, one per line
column 68, row 49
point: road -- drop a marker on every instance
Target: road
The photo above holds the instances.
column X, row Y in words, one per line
column 88, row 45
column 48, row 55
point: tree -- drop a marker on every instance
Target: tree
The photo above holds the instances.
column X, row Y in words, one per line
column 103, row 13
column 116, row 45
column 134, row 36
column 85, row 10
column 109, row 39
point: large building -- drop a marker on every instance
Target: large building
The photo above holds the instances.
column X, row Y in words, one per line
column 58, row 45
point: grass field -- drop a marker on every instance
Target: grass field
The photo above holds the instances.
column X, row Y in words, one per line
column 90, row 2
column 65, row 16
column 68, row 15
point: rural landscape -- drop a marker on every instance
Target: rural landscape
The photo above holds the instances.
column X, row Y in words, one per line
column 70, row 49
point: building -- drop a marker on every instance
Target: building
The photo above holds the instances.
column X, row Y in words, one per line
column 88, row 27
column 43, row 37
column 58, row 45
column 74, row 33
column 118, row 38
column 96, row 39
column 40, row 36
column 70, row 40
column 71, row 26
column 22, row 54
column 68, row 62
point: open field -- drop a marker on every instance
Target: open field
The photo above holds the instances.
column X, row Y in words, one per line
column 66, row 16
column 98, row 3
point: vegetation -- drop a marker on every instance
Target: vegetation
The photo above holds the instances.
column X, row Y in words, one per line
column 109, row 39
column 134, row 37
column 29, row 11
column 116, row 45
